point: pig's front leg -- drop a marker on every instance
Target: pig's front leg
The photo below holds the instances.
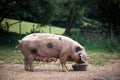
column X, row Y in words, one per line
column 64, row 68
column 63, row 60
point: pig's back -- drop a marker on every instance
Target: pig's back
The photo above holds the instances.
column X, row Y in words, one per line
column 46, row 44
column 47, row 36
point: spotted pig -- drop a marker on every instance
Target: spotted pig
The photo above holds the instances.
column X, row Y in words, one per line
column 38, row 46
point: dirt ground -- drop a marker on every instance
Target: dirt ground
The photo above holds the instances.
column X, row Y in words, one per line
column 110, row 71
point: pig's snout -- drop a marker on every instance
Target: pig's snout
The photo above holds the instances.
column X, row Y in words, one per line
column 44, row 59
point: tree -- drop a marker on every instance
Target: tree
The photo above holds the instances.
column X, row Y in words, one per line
column 108, row 12
column 74, row 9
column 39, row 11
column 6, row 8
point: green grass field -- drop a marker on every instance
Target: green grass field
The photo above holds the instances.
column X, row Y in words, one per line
column 8, row 55
column 27, row 27
column 8, row 41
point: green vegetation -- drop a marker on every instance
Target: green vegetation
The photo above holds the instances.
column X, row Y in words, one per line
column 100, row 58
column 104, row 44
column 98, row 49
column 97, row 44
column 8, row 55
column 69, row 14
column 27, row 27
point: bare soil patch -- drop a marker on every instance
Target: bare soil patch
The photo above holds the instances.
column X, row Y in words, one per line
column 110, row 71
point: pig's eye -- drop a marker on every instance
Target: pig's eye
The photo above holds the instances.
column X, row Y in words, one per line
column 77, row 49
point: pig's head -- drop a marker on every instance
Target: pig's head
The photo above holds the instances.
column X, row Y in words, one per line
column 79, row 54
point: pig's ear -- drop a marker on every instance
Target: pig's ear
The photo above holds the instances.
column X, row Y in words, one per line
column 84, row 57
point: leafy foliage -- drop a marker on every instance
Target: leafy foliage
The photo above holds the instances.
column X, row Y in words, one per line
column 107, row 12
column 8, row 42
column 39, row 11
column 103, row 43
column 66, row 13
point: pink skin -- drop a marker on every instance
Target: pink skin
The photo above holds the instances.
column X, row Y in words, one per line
column 44, row 59
column 46, row 47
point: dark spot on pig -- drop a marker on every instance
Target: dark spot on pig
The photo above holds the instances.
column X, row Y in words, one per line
column 50, row 45
column 60, row 38
column 34, row 51
column 77, row 49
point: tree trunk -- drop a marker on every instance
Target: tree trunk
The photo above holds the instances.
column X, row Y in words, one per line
column 7, row 26
column 20, row 27
column 49, row 28
column 69, row 23
column 111, row 31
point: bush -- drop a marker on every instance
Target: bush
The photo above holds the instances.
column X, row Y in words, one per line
column 9, row 38
column 104, row 43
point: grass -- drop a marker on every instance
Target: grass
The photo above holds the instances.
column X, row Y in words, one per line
column 97, row 44
column 27, row 27
column 8, row 42
column 8, row 55
column 100, row 58
column 99, row 50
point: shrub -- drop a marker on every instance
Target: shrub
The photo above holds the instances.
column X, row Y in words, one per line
column 104, row 43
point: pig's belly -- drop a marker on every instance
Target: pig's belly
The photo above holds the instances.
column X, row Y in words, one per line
column 45, row 59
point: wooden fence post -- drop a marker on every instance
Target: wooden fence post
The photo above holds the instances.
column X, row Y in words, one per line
column 20, row 27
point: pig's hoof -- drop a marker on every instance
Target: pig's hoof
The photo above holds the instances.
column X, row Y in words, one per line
column 65, row 70
column 32, row 70
column 26, row 69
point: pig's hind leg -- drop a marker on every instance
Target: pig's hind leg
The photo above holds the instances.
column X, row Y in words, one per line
column 28, row 63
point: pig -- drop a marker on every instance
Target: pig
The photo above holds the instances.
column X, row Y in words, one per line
column 38, row 46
